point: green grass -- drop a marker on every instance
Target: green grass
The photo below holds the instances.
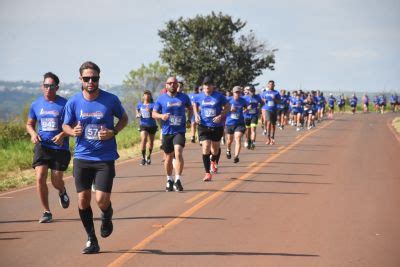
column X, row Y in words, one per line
column 16, row 153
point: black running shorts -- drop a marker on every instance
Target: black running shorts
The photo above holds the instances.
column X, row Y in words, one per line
column 251, row 122
column 171, row 140
column 55, row 159
column 102, row 172
column 210, row 133
column 150, row 129
column 271, row 116
column 231, row 129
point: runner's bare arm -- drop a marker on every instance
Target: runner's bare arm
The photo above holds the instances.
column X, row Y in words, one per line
column 30, row 128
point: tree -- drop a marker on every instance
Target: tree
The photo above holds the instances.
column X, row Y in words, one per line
column 151, row 77
column 211, row 45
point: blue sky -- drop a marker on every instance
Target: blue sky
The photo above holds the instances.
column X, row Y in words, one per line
column 330, row 45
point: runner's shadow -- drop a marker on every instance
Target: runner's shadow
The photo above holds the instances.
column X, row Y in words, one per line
column 210, row 253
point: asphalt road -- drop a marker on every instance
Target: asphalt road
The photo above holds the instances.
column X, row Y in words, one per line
column 325, row 197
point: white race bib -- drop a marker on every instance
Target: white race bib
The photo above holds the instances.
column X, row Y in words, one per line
column 145, row 113
column 92, row 130
column 175, row 120
column 210, row 112
column 49, row 124
column 270, row 103
column 235, row 116
column 252, row 111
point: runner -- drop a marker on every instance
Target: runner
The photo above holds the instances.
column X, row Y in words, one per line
column 297, row 110
column 365, row 103
column 320, row 105
column 235, row 126
column 353, row 103
column 331, row 105
column 251, row 116
column 193, row 124
column 148, row 126
column 89, row 116
column 308, row 112
column 382, row 103
column 282, row 110
column 341, row 104
column 271, row 98
column 210, row 108
column 393, row 101
column 51, row 144
column 170, row 108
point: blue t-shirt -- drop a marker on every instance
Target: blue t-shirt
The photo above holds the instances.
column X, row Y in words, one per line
column 296, row 104
column 176, row 107
column 146, row 111
column 193, row 97
column 49, row 116
column 271, row 99
column 210, row 107
column 236, row 117
column 254, row 101
column 92, row 115
column 353, row 101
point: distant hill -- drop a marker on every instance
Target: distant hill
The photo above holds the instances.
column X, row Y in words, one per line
column 15, row 95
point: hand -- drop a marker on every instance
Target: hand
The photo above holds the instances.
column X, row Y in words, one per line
column 104, row 133
column 138, row 115
column 58, row 139
column 165, row 116
column 197, row 118
column 233, row 109
column 35, row 138
column 78, row 129
column 217, row 119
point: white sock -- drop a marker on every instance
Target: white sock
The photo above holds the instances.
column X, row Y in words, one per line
column 170, row 178
column 177, row 177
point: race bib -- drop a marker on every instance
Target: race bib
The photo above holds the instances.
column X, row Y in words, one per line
column 235, row 116
column 175, row 120
column 49, row 124
column 92, row 130
column 145, row 113
column 270, row 103
column 252, row 111
column 210, row 112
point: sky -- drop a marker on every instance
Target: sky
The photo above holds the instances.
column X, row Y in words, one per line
column 336, row 45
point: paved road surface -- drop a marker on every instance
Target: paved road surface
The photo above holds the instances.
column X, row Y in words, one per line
column 325, row 197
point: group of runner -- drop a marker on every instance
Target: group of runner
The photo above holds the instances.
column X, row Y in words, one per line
column 89, row 117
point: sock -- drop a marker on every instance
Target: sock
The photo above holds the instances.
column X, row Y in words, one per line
column 87, row 221
column 108, row 212
column 177, row 177
column 218, row 155
column 144, row 153
column 206, row 162
column 170, row 178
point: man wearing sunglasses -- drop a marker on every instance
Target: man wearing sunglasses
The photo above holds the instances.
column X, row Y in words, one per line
column 51, row 144
column 89, row 116
column 171, row 108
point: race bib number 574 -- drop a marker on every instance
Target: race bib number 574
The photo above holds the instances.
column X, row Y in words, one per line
column 92, row 131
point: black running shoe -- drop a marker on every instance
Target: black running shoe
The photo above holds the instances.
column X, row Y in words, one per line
column 236, row 160
column 178, row 186
column 46, row 218
column 92, row 247
column 170, row 186
column 252, row 146
column 228, row 154
column 148, row 161
column 64, row 199
column 143, row 162
column 107, row 227
column 193, row 140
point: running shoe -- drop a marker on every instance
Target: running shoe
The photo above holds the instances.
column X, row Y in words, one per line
column 265, row 132
column 298, row 129
column 193, row 140
column 92, row 246
column 228, row 154
column 268, row 141
column 64, row 199
column 107, row 227
column 246, row 145
column 207, row 177
column 213, row 167
column 148, row 161
column 272, row 141
column 143, row 162
column 178, row 186
column 236, row 160
column 170, row 186
column 252, row 146
column 46, row 218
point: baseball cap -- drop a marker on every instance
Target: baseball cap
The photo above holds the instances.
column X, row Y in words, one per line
column 208, row 80
column 236, row 89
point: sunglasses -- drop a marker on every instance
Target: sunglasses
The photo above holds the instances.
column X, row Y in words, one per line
column 172, row 83
column 51, row 86
column 94, row 79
